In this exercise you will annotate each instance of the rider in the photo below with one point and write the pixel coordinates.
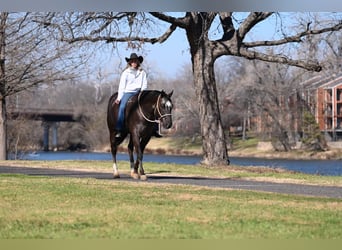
(133, 80)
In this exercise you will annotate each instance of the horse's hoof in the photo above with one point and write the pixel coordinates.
(135, 176)
(143, 177)
(116, 175)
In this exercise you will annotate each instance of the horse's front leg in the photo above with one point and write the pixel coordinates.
(134, 169)
(138, 163)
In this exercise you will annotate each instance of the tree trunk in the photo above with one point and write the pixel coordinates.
(213, 136)
(3, 132)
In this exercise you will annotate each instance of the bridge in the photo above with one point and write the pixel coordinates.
(50, 119)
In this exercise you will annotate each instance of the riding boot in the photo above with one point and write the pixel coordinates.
(156, 134)
(156, 131)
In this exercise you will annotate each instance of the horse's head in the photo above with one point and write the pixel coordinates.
(165, 108)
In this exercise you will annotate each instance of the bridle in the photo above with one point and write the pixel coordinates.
(156, 109)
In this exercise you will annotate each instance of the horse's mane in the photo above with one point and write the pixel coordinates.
(139, 99)
(149, 93)
(143, 97)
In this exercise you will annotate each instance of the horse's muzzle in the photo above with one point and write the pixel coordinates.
(167, 122)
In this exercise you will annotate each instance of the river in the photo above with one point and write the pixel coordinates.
(319, 167)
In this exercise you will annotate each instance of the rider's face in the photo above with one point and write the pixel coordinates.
(134, 63)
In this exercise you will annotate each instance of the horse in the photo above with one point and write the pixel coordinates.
(142, 112)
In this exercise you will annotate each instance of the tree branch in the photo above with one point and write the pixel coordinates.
(110, 39)
(107, 39)
(251, 55)
(252, 19)
(180, 22)
(108, 19)
(227, 25)
(166, 35)
(296, 38)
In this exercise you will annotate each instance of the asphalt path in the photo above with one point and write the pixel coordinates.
(229, 183)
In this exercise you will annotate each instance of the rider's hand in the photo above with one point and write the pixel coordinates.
(117, 101)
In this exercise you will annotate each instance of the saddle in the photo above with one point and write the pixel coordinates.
(132, 102)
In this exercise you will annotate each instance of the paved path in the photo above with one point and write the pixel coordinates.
(285, 188)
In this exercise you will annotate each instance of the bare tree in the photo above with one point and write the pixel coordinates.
(273, 96)
(139, 28)
(29, 57)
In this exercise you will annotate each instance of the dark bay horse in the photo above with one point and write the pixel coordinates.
(142, 113)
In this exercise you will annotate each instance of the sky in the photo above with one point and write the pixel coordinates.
(167, 58)
(170, 56)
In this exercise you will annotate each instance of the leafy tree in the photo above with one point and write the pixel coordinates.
(312, 136)
(233, 29)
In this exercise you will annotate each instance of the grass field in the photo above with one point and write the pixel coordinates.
(73, 208)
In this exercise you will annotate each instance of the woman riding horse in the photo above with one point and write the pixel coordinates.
(143, 112)
(133, 80)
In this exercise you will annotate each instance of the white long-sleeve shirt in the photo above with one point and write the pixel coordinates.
(132, 80)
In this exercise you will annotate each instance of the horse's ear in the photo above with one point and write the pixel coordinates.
(170, 94)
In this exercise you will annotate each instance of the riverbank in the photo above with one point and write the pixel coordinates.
(248, 148)
(330, 154)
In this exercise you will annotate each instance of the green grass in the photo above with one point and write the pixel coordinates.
(238, 143)
(72, 208)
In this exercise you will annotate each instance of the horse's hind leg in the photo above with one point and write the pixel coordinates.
(134, 169)
(113, 145)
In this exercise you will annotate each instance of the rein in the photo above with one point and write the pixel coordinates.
(161, 116)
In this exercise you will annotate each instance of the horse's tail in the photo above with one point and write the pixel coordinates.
(110, 112)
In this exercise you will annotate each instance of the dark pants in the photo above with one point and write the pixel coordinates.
(121, 115)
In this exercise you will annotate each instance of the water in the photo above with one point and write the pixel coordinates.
(321, 167)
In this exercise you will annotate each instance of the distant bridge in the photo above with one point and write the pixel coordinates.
(50, 119)
(47, 115)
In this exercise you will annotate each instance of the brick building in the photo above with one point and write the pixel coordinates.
(323, 95)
